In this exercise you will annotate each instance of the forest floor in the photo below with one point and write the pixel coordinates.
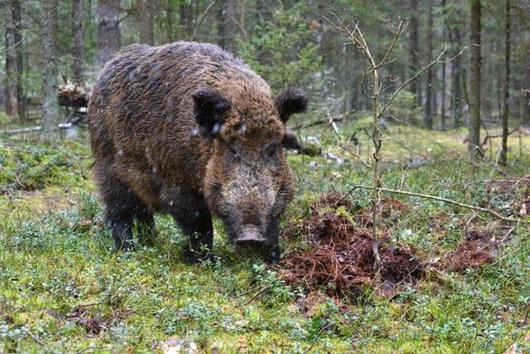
(460, 283)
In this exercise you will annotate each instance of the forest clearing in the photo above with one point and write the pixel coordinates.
(389, 214)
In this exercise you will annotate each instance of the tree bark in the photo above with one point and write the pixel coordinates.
(347, 81)
(413, 48)
(456, 72)
(109, 35)
(444, 66)
(475, 82)
(227, 25)
(19, 54)
(434, 94)
(170, 26)
(526, 94)
(15, 102)
(78, 52)
(186, 19)
(506, 108)
(145, 21)
(11, 101)
(50, 107)
(427, 122)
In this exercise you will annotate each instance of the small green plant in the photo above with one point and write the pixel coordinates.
(29, 167)
(276, 292)
(404, 108)
(4, 118)
(89, 207)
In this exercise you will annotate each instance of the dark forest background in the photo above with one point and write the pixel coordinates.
(47, 43)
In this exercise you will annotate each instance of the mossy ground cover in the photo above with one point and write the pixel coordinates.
(62, 289)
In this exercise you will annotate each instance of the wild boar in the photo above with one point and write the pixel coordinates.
(190, 130)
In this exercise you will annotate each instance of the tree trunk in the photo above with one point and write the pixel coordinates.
(526, 94)
(474, 119)
(413, 48)
(456, 72)
(78, 53)
(263, 16)
(347, 81)
(444, 67)
(227, 25)
(19, 54)
(145, 21)
(109, 36)
(11, 100)
(186, 19)
(506, 108)
(427, 122)
(170, 27)
(434, 94)
(50, 107)
(14, 62)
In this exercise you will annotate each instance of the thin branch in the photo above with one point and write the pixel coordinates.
(401, 27)
(339, 118)
(202, 17)
(261, 291)
(35, 338)
(489, 137)
(445, 200)
(20, 130)
(33, 129)
(403, 85)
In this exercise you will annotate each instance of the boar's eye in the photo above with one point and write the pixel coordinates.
(233, 151)
(272, 151)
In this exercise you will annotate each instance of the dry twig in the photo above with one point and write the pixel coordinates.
(445, 200)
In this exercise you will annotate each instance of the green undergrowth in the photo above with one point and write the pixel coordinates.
(62, 289)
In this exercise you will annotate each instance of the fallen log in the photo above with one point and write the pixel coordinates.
(33, 129)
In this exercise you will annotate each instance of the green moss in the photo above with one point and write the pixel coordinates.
(32, 167)
(56, 255)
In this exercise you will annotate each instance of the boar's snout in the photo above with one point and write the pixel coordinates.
(251, 236)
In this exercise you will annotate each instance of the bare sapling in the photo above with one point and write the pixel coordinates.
(357, 38)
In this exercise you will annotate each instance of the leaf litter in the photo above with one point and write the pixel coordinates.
(336, 254)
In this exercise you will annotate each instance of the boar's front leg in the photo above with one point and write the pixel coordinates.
(273, 229)
(193, 216)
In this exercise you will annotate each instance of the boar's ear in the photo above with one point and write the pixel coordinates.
(210, 110)
(291, 100)
(290, 141)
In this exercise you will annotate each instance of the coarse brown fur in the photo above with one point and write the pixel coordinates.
(188, 129)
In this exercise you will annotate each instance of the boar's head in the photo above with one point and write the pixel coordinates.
(248, 183)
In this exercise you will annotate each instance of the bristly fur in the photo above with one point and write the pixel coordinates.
(188, 129)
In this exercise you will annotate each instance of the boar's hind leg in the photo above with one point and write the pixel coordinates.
(122, 206)
(194, 217)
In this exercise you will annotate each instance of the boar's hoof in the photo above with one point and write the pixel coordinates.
(124, 245)
(274, 256)
(193, 257)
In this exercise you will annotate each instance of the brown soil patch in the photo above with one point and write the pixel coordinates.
(478, 249)
(339, 255)
(94, 324)
(310, 303)
(512, 192)
(336, 254)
